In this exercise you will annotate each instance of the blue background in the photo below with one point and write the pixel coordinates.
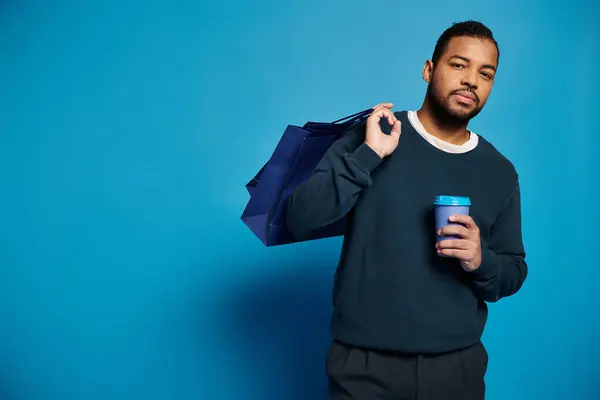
(130, 128)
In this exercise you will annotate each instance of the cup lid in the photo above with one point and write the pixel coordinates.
(445, 200)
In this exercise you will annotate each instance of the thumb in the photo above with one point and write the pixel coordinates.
(396, 130)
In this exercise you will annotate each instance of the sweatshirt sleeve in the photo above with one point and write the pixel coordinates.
(334, 185)
(503, 268)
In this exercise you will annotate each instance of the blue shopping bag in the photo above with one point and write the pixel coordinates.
(296, 155)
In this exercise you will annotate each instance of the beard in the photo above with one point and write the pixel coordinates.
(445, 111)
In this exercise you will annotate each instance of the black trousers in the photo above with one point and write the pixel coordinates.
(363, 374)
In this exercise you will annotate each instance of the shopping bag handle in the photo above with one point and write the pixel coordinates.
(358, 116)
(347, 123)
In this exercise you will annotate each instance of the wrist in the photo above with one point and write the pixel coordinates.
(488, 265)
(375, 149)
(366, 158)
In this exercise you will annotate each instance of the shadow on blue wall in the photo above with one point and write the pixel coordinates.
(282, 325)
(8, 389)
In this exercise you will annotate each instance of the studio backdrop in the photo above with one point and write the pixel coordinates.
(128, 133)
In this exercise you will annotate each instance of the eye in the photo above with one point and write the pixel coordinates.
(456, 65)
(486, 75)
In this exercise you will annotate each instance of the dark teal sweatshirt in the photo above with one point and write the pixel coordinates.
(391, 289)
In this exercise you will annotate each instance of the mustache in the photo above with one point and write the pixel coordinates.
(467, 90)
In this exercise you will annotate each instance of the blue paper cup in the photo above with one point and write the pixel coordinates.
(445, 206)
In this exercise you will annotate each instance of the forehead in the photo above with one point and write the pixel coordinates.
(478, 51)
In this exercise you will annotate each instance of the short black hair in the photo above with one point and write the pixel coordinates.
(469, 28)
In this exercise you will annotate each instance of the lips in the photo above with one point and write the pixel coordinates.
(466, 97)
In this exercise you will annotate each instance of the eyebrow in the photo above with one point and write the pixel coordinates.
(467, 60)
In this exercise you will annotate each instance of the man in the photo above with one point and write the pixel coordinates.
(407, 322)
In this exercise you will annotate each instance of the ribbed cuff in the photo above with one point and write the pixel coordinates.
(366, 158)
(489, 268)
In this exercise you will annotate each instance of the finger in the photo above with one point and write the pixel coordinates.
(383, 112)
(382, 108)
(458, 253)
(455, 230)
(386, 105)
(460, 244)
(466, 220)
(391, 118)
(396, 130)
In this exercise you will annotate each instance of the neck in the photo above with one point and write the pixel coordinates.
(443, 127)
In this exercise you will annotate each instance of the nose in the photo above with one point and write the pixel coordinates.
(470, 79)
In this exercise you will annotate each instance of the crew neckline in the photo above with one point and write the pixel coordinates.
(440, 144)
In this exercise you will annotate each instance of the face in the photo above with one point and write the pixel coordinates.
(461, 81)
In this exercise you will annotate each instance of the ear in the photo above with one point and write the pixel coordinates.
(427, 71)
